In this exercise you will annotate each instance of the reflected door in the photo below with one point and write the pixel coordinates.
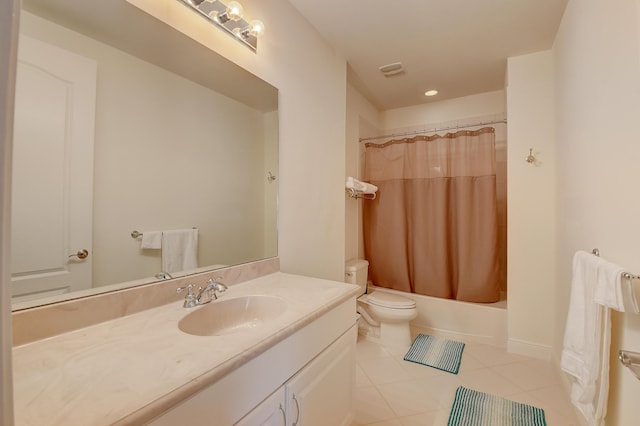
(52, 171)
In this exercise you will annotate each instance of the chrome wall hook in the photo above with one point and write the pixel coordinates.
(531, 159)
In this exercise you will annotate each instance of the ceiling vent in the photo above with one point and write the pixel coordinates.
(390, 70)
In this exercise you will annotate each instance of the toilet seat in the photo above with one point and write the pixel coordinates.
(387, 300)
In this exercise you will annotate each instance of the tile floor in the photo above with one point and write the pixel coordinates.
(394, 392)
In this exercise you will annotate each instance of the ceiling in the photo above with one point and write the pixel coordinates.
(459, 47)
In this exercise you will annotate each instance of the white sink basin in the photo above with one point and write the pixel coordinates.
(228, 316)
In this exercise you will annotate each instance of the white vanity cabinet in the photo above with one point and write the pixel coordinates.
(320, 394)
(306, 379)
(270, 412)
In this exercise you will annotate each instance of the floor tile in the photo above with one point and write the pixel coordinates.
(394, 392)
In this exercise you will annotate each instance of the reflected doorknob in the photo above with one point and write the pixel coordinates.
(81, 254)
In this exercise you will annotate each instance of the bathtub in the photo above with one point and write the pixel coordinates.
(476, 322)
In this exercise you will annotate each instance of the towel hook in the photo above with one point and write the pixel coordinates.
(530, 158)
(595, 252)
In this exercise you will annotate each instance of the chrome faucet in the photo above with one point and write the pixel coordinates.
(208, 293)
(190, 300)
(163, 276)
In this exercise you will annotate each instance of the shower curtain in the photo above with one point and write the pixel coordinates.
(433, 227)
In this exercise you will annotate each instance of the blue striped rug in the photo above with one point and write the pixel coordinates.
(436, 352)
(473, 408)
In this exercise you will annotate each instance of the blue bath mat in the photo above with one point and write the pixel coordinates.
(436, 352)
(473, 408)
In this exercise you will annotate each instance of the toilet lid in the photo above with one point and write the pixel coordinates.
(388, 300)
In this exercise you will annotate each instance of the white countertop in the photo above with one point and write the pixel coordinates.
(132, 368)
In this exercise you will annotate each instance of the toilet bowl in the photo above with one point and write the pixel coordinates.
(385, 317)
(388, 317)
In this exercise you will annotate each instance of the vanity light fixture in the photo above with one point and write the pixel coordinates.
(228, 17)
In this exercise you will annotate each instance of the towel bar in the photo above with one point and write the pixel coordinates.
(353, 193)
(135, 234)
(629, 277)
(631, 360)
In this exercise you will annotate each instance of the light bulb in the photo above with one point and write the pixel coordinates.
(256, 28)
(234, 10)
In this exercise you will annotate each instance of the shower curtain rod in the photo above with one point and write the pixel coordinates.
(435, 130)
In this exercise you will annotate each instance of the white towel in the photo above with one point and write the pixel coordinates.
(609, 285)
(363, 187)
(179, 250)
(151, 240)
(587, 339)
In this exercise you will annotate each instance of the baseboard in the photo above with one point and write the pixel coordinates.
(465, 337)
(533, 350)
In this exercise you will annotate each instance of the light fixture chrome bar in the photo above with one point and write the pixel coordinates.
(216, 13)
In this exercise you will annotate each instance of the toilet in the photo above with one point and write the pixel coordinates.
(384, 317)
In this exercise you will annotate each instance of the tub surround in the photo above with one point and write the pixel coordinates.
(130, 369)
(58, 317)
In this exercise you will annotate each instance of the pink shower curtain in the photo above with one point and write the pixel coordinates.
(433, 228)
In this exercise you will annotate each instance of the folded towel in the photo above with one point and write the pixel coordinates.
(608, 290)
(179, 250)
(151, 240)
(364, 187)
(587, 339)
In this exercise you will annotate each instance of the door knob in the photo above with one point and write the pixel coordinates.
(81, 254)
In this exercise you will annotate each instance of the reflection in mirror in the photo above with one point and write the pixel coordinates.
(124, 124)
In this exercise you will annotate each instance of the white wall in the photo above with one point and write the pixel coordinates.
(531, 205)
(158, 165)
(311, 78)
(363, 120)
(597, 80)
(432, 113)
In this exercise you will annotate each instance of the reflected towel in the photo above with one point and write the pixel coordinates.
(151, 240)
(179, 250)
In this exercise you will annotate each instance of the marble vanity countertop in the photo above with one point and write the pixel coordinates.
(128, 370)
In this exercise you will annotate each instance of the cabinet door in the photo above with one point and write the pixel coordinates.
(321, 393)
(270, 412)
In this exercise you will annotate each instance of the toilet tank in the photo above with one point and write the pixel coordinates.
(355, 272)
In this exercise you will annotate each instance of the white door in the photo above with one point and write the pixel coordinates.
(52, 171)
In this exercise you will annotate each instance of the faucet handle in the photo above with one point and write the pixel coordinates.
(190, 300)
(217, 285)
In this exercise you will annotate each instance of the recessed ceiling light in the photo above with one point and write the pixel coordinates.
(431, 92)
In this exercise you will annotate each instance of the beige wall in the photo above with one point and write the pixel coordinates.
(531, 205)
(597, 80)
(489, 104)
(362, 120)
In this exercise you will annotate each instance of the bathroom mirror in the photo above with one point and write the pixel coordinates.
(150, 131)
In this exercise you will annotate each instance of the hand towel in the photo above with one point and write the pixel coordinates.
(364, 187)
(608, 290)
(179, 250)
(151, 240)
(585, 354)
